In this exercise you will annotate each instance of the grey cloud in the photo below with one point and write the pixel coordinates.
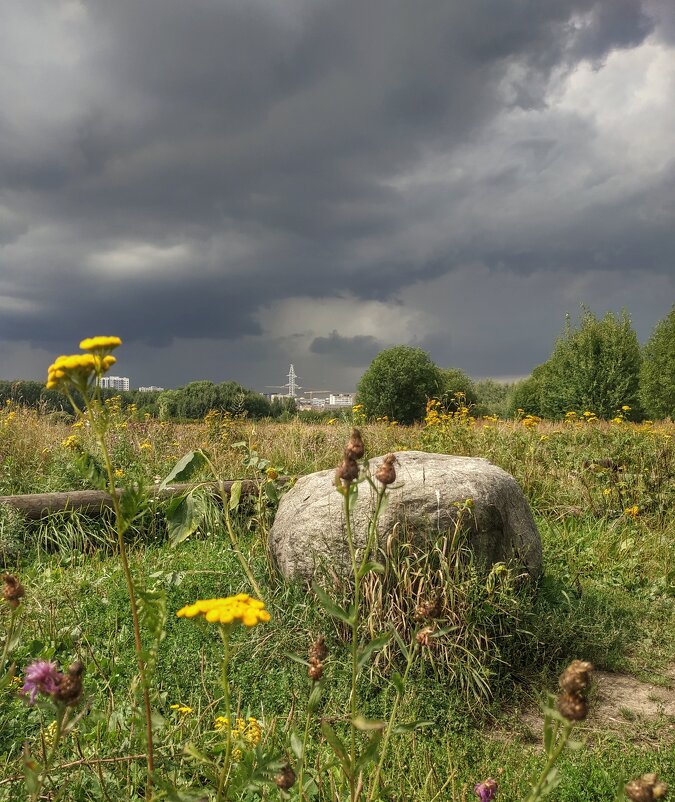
(356, 351)
(266, 142)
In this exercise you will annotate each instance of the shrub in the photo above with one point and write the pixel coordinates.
(594, 366)
(398, 383)
(657, 375)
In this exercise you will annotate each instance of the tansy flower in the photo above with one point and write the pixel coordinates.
(228, 610)
(632, 512)
(184, 709)
(100, 343)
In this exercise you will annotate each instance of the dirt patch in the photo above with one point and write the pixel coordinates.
(621, 702)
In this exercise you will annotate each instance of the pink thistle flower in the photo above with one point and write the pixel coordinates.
(40, 677)
(487, 790)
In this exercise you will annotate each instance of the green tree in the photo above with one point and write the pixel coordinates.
(492, 397)
(526, 395)
(657, 375)
(454, 380)
(398, 384)
(594, 365)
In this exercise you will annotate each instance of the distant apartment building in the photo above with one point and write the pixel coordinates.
(341, 399)
(150, 389)
(115, 382)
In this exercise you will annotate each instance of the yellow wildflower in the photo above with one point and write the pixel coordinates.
(332, 421)
(183, 709)
(100, 343)
(228, 610)
(119, 473)
(632, 512)
(625, 408)
(71, 441)
(50, 732)
(145, 445)
(272, 474)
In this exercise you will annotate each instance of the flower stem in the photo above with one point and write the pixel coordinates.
(9, 636)
(553, 756)
(100, 430)
(412, 652)
(224, 774)
(61, 717)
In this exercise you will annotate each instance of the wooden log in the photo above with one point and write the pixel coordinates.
(93, 502)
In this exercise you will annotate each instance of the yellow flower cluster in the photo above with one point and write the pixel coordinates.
(632, 512)
(182, 709)
(228, 610)
(437, 415)
(77, 369)
(100, 343)
(249, 731)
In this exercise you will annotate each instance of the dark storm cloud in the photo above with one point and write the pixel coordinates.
(359, 350)
(169, 170)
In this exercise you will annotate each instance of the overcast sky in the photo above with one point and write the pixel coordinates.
(233, 185)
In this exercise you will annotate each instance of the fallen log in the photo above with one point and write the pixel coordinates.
(36, 505)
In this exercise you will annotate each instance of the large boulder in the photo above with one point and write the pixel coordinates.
(308, 534)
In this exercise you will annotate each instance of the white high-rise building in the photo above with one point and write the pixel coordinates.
(115, 382)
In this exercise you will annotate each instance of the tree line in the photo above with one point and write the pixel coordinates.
(596, 365)
(191, 402)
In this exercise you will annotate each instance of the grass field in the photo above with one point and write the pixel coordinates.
(602, 495)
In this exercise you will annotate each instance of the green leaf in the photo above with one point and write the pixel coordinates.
(398, 683)
(132, 503)
(186, 518)
(294, 657)
(186, 467)
(235, 495)
(271, 492)
(314, 698)
(331, 607)
(369, 754)
(191, 749)
(411, 726)
(401, 645)
(367, 651)
(352, 496)
(368, 725)
(339, 749)
(296, 745)
(373, 566)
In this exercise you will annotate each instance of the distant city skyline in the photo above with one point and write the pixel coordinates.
(234, 186)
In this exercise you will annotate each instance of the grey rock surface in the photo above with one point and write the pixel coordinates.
(308, 534)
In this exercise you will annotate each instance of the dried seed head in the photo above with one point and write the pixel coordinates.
(12, 590)
(69, 689)
(347, 472)
(431, 608)
(318, 650)
(285, 778)
(646, 789)
(386, 473)
(315, 670)
(423, 637)
(355, 448)
(572, 706)
(576, 678)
